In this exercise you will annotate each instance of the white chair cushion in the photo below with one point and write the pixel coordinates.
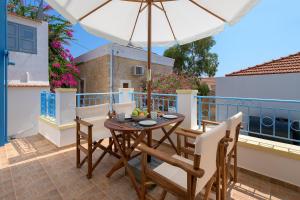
(173, 173)
(206, 145)
(126, 108)
(232, 123)
(92, 111)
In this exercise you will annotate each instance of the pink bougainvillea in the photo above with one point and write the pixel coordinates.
(69, 33)
(170, 83)
(56, 65)
(56, 44)
(63, 72)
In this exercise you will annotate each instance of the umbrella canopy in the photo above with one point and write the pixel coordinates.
(173, 21)
(153, 22)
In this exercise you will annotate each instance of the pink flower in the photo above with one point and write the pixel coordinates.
(56, 65)
(71, 58)
(69, 33)
(47, 7)
(69, 65)
(76, 70)
(53, 75)
(56, 44)
(56, 83)
(63, 55)
(68, 80)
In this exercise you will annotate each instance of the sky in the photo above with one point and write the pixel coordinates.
(269, 31)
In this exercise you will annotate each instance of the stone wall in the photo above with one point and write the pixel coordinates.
(95, 73)
(123, 70)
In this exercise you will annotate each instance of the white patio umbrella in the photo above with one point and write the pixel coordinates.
(152, 22)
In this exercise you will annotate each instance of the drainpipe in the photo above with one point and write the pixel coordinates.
(111, 87)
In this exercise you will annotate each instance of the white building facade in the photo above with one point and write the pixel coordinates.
(28, 76)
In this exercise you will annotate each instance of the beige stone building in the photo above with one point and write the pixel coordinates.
(126, 64)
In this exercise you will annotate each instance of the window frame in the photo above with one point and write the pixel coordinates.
(19, 40)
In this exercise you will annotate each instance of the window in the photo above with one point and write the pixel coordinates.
(125, 85)
(22, 38)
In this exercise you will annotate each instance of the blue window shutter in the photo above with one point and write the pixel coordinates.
(12, 36)
(27, 39)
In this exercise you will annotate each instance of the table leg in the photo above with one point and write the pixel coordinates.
(149, 144)
(167, 136)
(125, 156)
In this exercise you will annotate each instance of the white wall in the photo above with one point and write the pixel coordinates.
(35, 64)
(23, 110)
(269, 164)
(275, 86)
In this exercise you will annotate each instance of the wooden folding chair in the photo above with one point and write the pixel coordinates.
(126, 108)
(90, 130)
(234, 124)
(233, 127)
(186, 178)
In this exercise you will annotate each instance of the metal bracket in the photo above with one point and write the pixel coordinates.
(6, 54)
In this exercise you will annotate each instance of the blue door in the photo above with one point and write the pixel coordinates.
(3, 73)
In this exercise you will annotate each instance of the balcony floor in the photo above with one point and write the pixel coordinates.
(33, 168)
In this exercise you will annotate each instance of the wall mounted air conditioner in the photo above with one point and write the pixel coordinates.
(138, 70)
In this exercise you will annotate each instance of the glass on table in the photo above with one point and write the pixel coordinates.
(153, 115)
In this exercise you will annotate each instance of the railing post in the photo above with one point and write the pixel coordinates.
(43, 105)
(199, 111)
(65, 105)
(187, 105)
(125, 95)
(78, 100)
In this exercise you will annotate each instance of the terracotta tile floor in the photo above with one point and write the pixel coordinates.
(33, 168)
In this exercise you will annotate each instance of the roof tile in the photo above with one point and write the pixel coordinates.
(288, 64)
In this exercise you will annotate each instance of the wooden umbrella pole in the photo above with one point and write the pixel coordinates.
(149, 77)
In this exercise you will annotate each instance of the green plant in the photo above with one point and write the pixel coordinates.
(195, 58)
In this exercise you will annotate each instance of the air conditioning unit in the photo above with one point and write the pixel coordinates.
(138, 70)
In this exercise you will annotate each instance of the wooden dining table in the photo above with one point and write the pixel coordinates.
(126, 131)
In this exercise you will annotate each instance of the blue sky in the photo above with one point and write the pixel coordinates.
(271, 30)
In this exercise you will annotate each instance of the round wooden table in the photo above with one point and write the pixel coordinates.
(131, 130)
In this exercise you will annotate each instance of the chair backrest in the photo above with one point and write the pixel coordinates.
(126, 108)
(92, 111)
(207, 145)
(232, 124)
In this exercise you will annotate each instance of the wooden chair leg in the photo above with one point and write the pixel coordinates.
(77, 144)
(110, 141)
(179, 144)
(208, 188)
(235, 165)
(143, 176)
(186, 146)
(90, 153)
(163, 195)
(217, 184)
(105, 151)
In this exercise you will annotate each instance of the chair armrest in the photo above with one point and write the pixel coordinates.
(186, 134)
(85, 123)
(210, 122)
(192, 131)
(170, 160)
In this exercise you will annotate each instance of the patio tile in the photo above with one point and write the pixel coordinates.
(41, 171)
(7, 190)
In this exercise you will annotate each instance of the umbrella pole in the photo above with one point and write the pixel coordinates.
(149, 77)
